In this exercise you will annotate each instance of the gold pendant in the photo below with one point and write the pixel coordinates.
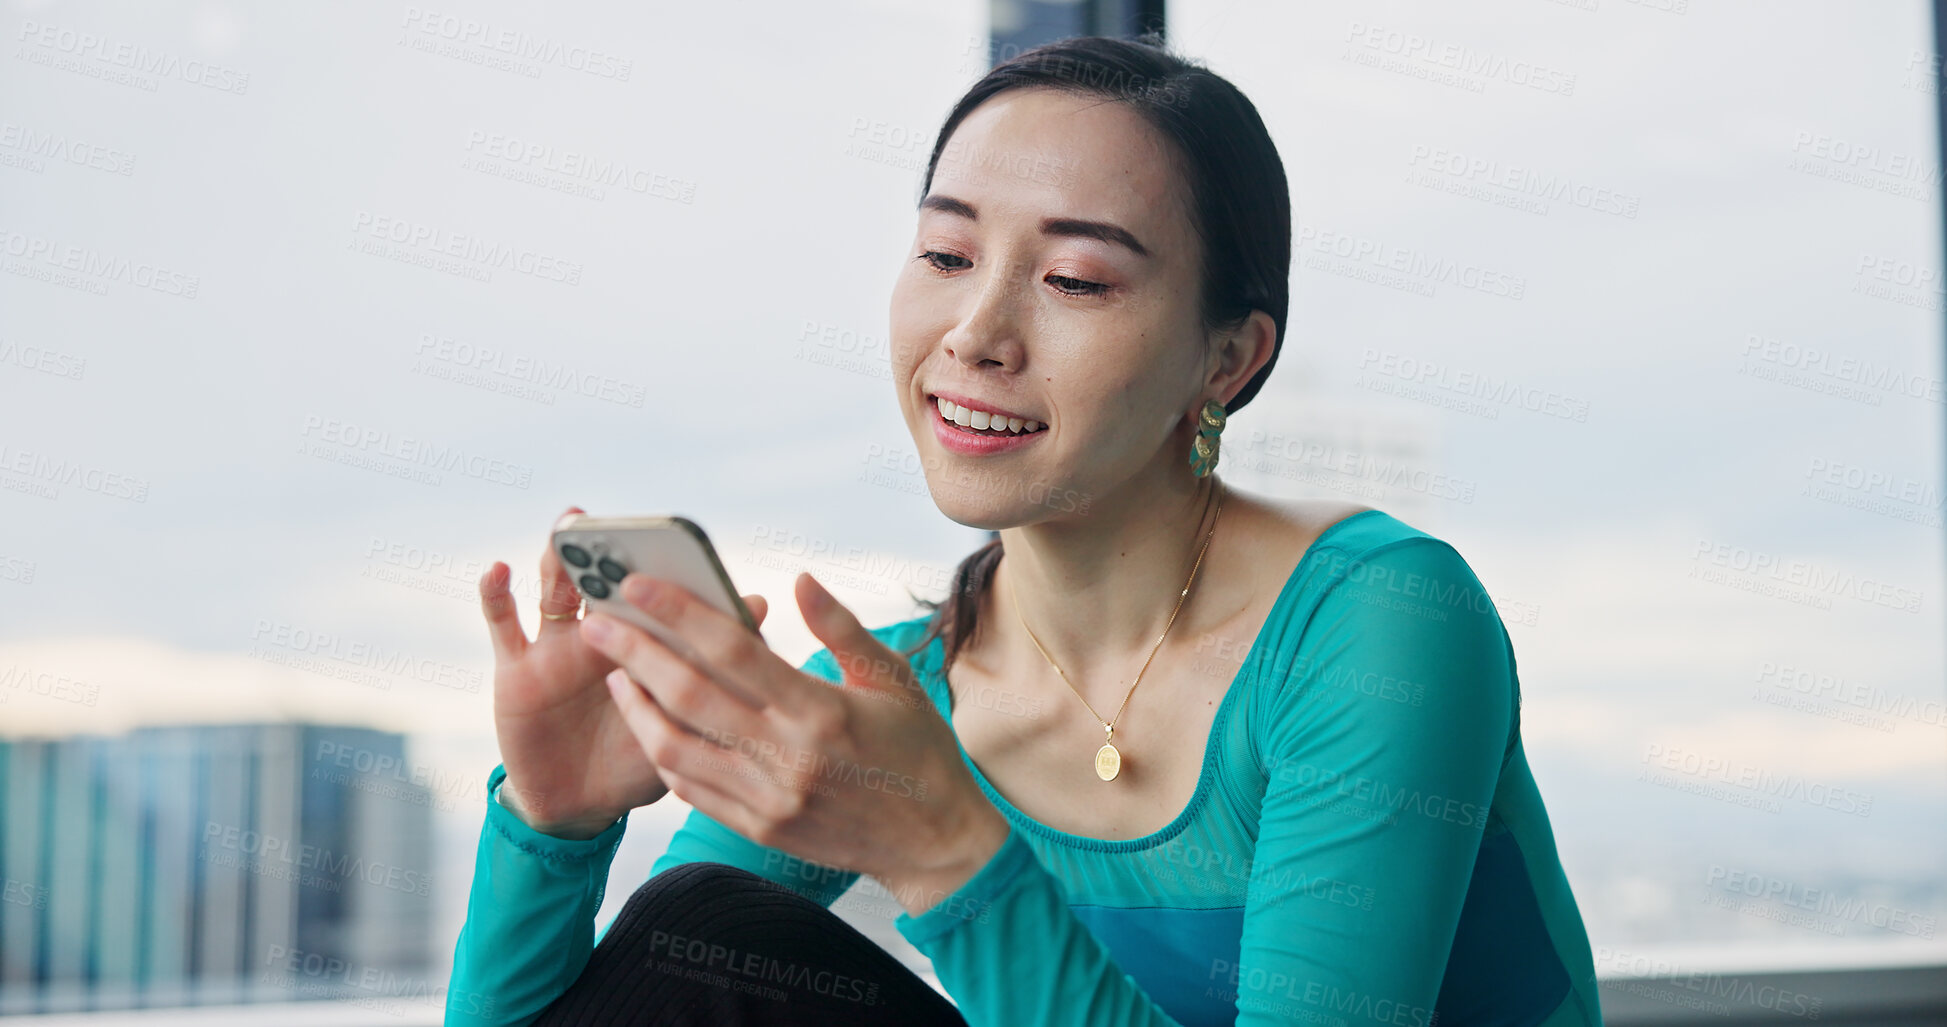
(1108, 762)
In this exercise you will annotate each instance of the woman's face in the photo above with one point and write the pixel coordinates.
(1054, 276)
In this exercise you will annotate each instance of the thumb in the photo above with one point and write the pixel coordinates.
(863, 659)
(758, 607)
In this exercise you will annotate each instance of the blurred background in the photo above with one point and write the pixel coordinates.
(310, 313)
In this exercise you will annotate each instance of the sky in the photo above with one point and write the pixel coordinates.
(1635, 303)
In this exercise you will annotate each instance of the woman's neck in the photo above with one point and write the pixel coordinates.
(1098, 588)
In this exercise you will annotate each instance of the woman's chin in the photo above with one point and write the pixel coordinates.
(975, 508)
(994, 505)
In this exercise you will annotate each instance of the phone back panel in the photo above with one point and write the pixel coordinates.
(671, 548)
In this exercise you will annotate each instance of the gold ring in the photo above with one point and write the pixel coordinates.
(562, 616)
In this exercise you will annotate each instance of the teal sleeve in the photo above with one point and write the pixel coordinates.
(1009, 951)
(531, 910)
(1382, 744)
(705, 840)
(530, 917)
(1373, 813)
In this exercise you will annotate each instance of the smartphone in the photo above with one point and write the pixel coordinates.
(598, 552)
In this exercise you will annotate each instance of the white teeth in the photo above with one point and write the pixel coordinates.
(982, 420)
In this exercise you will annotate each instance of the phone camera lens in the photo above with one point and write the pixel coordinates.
(575, 554)
(611, 570)
(594, 587)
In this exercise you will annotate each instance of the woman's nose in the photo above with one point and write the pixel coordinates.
(989, 330)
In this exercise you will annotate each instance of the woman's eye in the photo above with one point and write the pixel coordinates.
(1076, 286)
(1068, 285)
(930, 254)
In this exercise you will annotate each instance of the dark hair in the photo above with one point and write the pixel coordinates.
(1240, 203)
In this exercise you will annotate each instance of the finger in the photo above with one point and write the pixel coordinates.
(716, 804)
(720, 644)
(862, 658)
(503, 620)
(559, 600)
(758, 607)
(676, 753)
(686, 695)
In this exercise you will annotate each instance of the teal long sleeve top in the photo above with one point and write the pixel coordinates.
(1365, 846)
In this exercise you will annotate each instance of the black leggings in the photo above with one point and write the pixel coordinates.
(709, 944)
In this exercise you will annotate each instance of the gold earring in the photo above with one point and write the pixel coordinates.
(1203, 453)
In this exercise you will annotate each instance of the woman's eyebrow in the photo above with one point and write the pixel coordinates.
(1076, 227)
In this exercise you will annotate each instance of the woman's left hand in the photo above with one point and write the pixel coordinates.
(865, 777)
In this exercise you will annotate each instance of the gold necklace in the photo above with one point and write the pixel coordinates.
(1108, 759)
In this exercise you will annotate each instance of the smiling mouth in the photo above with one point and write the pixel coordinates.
(981, 422)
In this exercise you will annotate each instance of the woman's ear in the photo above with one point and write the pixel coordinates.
(1240, 354)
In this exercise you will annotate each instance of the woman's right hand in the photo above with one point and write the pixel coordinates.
(573, 765)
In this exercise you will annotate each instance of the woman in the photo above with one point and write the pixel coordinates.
(1169, 753)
